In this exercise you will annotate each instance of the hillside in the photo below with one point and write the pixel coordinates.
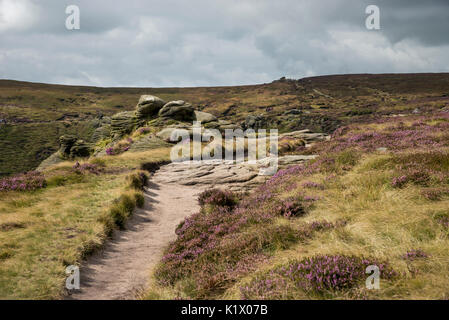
(33, 116)
(367, 184)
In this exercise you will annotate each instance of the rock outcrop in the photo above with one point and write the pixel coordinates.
(123, 123)
(80, 149)
(102, 133)
(178, 110)
(71, 147)
(66, 143)
(148, 106)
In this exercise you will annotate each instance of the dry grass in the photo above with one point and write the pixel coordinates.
(382, 222)
(44, 231)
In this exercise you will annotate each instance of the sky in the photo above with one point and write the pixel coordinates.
(179, 43)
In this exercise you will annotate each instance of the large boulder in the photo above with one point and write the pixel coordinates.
(205, 117)
(148, 106)
(71, 147)
(102, 133)
(66, 143)
(123, 123)
(178, 110)
(227, 125)
(166, 133)
(80, 149)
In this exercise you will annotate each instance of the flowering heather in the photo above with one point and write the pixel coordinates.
(217, 197)
(434, 194)
(323, 163)
(421, 168)
(291, 207)
(444, 221)
(86, 168)
(325, 225)
(110, 151)
(317, 274)
(144, 130)
(120, 147)
(396, 137)
(415, 254)
(399, 182)
(23, 182)
(313, 185)
(218, 234)
(273, 288)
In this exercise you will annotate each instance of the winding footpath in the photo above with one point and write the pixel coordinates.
(122, 268)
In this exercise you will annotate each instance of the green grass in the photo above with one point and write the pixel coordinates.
(24, 147)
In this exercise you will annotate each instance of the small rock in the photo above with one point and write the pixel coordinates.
(205, 117)
(292, 112)
(255, 122)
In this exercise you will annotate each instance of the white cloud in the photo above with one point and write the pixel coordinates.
(17, 15)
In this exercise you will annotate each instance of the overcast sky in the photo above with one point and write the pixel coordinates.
(214, 42)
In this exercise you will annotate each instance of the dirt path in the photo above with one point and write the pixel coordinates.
(121, 269)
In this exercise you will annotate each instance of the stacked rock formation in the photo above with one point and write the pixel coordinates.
(148, 106)
(71, 147)
(178, 110)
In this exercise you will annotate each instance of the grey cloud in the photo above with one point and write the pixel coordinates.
(187, 43)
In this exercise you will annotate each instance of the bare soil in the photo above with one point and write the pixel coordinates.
(122, 268)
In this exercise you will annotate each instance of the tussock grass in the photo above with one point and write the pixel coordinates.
(44, 231)
(364, 214)
(382, 222)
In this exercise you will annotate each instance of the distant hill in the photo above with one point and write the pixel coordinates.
(34, 115)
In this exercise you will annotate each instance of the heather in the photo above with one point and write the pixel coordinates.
(312, 229)
(23, 182)
(120, 147)
(226, 236)
(217, 197)
(86, 168)
(415, 254)
(424, 132)
(318, 275)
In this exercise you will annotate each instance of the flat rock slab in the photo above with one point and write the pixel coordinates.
(236, 177)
